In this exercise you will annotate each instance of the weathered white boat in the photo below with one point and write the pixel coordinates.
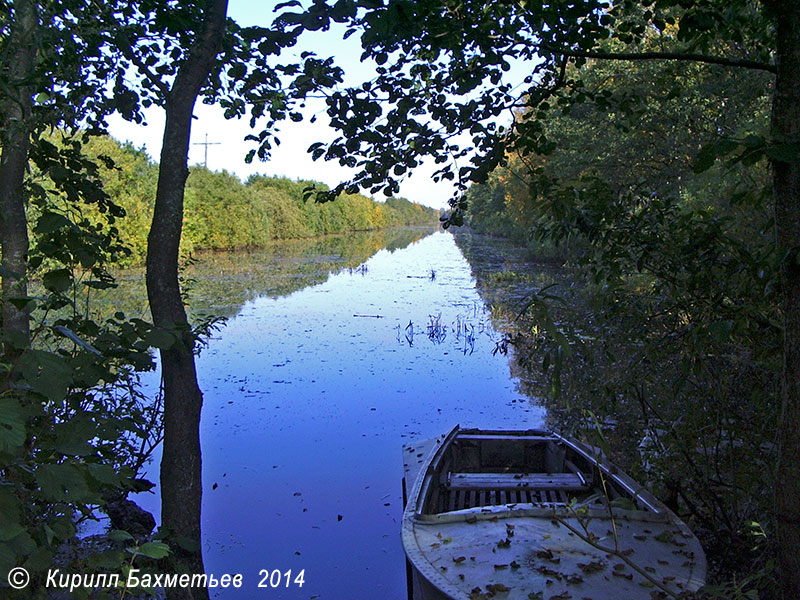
(532, 515)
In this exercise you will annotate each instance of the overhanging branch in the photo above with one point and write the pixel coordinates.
(682, 56)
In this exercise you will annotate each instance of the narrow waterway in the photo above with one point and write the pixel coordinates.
(309, 397)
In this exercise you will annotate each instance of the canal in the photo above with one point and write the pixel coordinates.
(328, 363)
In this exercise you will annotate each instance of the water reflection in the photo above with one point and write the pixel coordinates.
(309, 397)
(220, 283)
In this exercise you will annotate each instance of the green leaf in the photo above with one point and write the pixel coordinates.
(104, 474)
(108, 559)
(72, 438)
(159, 338)
(63, 528)
(155, 550)
(50, 222)
(118, 535)
(22, 302)
(9, 529)
(39, 560)
(665, 537)
(46, 373)
(62, 483)
(57, 281)
(8, 560)
(12, 425)
(237, 71)
(711, 152)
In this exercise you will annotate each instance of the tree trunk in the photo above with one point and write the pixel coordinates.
(15, 107)
(181, 465)
(786, 130)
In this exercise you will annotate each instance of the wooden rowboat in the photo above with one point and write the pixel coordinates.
(521, 515)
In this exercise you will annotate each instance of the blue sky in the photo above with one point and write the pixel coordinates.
(290, 158)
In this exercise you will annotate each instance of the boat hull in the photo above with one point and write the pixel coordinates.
(522, 549)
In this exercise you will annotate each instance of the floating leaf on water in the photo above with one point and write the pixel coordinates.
(514, 565)
(499, 567)
(506, 543)
(447, 540)
(458, 560)
(496, 588)
(536, 596)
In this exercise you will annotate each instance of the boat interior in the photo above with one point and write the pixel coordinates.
(483, 468)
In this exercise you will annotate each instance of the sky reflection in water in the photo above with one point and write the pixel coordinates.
(307, 407)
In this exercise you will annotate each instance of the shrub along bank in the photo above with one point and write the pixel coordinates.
(224, 213)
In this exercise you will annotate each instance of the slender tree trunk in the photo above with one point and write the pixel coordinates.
(786, 130)
(181, 465)
(15, 111)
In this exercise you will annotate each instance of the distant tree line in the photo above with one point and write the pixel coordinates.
(224, 213)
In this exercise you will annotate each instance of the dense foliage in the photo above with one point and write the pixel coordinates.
(74, 428)
(671, 305)
(222, 213)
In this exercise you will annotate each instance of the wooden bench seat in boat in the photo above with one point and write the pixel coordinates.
(568, 482)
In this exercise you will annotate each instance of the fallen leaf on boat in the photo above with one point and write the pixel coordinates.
(592, 567)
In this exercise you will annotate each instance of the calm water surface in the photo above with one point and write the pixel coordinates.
(308, 399)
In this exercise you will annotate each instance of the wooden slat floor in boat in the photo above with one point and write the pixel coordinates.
(511, 481)
(459, 499)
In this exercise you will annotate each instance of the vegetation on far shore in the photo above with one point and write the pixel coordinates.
(224, 213)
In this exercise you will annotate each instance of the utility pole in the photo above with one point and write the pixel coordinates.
(206, 144)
